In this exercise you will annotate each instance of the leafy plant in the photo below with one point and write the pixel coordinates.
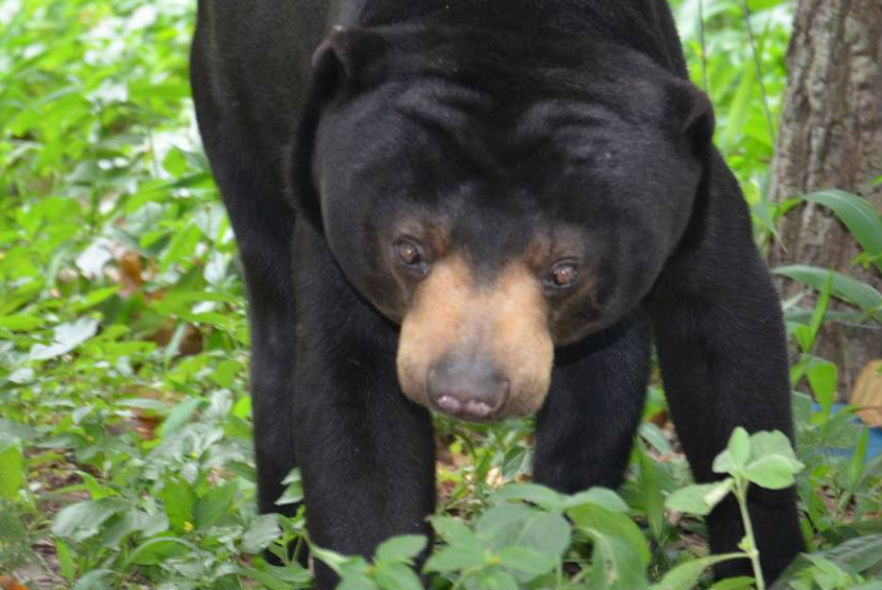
(125, 433)
(764, 459)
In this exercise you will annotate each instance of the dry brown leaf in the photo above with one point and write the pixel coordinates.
(867, 394)
(10, 583)
(190, 344)
(130, 272)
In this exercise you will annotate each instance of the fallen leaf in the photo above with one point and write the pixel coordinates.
(9, 583)
(867, 394)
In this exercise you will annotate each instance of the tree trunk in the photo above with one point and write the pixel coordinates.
(831, 137)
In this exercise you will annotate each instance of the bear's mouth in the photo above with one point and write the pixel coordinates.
(474, 350)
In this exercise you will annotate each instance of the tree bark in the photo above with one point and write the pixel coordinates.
(831, 137)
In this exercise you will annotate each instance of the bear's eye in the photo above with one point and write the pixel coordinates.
(410, 254)
(562, 275)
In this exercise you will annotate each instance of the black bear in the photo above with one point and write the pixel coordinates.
(482, 207)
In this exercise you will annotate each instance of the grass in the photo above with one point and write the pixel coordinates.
(125, 435)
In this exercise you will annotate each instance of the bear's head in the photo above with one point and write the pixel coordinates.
(496, 199)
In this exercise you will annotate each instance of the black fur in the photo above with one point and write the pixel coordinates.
(507, 120)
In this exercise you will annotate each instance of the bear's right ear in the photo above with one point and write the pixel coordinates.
(692, 114)
(347, 56)
(343, 64)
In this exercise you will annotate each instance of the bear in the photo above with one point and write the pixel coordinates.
(487, 209)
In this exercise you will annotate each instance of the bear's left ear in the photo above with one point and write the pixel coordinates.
(342, 65)
(691, 114)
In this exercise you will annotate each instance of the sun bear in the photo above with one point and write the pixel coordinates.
(487, 209)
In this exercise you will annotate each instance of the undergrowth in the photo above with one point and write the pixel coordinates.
(125, 434)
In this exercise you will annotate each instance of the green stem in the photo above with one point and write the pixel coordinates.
(842, 504)
(759, 70)
(298, 549)
(753, 552)
(703, 43)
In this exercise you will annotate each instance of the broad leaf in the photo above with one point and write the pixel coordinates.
(620, 549)
(403, 548)
(12, 473)
(773, 472)
(699, 499)
(396, 576)
(686, 574)
(264, 530)
(844, 287)
(858, 215)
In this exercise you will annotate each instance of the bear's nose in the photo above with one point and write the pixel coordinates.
(467, 389)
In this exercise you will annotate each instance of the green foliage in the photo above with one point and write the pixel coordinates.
(765, 459)
(859, 216)
(125, 434)
(738, 57)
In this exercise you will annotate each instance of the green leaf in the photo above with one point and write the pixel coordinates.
(699, 499)
(289, 577)
(823, 377)
(514, 462)
(179, 500)
(807, 335)
(739, 447)
(294, 491)
(844, 287)
(395, 576)
(519, 524)
(182, 246)
(100, 578)
(179, 416)
(12, 472)
(66, 565)
(12, 432)
(21, 322)
(774, 442)
(530, 492)
(723, 463)
(97, 296)
(601, 497)
(264, 530)
(739, 583)
(716, 493)
(335, 560)
(12, 531)
(620, 549)
(491, 579)
(357, 579)
(653, 435)
(82, 520)
(857, 465)
(216, 503)
(861, 554)
(453, 531)
(686, 574)
(526, 560)
(157, 550)
(451, 558)
(773, 472)
(649, 485)
(858, 215)
(403, 548)
(128, 522)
